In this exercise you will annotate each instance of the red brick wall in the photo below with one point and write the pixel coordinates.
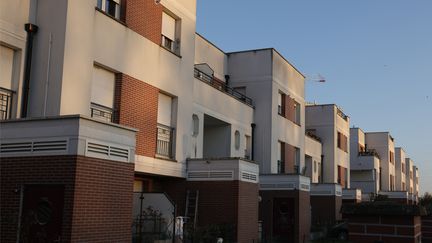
(145, 18)
(102, 209)
(302, 213)
(427, 229)
(137, 104)
(16, 172)
(97, 196)
(395, 229)
(248, 212)
(325, 209)
(221, 202)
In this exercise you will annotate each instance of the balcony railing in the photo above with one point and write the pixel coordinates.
(280, 167)
(221, 86)
(369, 152)
(164, 143)
(101, 112)
(5, 103)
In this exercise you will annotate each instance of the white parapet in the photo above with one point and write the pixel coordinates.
(67, 135)
(352, 194)
(222, 169)
(395, 194)
(326, 189)
(284, 182)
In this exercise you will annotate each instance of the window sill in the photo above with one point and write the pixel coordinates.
(176, 54)
(165, 158)
(111, 17)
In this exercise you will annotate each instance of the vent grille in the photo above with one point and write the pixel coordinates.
(210, 175)
(107, 151)
(246, 176)
(34, 146)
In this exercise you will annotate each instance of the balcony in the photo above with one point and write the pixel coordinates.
(164, 143)
(285, 182)
(221, 86)
(326, 189)
(352, 194)
(102, 113)
(5, 103)
(369, 152)
(222, 169)
(67, 135)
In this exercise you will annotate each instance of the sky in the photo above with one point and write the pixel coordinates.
(376, 57)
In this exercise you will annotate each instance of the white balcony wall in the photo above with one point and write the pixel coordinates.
(313, 152)
(399, 164)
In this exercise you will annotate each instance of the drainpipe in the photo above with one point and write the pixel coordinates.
(31, 30)
(322, 171)
(253, 141)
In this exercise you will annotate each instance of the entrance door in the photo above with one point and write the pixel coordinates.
(283, 220)
(42, 214)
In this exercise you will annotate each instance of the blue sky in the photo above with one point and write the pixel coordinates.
(375, 55)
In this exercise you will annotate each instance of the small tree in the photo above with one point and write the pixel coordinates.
(426, 201)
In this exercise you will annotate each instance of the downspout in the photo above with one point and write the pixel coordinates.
(253, 141)
(31, 30)
(322, 171)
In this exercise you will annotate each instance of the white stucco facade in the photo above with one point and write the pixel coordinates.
(383, 144)
(263, 74)
(326, 121)
(400, 169)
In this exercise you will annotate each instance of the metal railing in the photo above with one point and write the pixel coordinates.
(5, 103)
(101, 112)
(369, 152)
(280, 167)
(164, 143)
(221, 86)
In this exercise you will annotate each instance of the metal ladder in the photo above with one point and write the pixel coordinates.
(192, 207)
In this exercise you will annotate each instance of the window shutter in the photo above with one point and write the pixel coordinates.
(290, 156)
(168, 26)
(6, 65)
(102, 90)
(164, 109)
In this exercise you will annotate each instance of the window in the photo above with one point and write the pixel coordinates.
(342, 176)
(403, 168)
(297, 112)
(6, 70)
(281, 158)
(237, 140)
(297, 161)
(315, 166)
(170, 36)
(281, 104)
(342, 142)
(102, 94)
(165, 133)
(391, 157)
(110, 7)
(195, 125)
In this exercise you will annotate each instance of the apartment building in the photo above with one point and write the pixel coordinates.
(365, 164)
(329, 123)
(277, 89)
(111, 99)
(400, 168)
(409, 163)
(331, 126)
(416, 183)
(383, 144)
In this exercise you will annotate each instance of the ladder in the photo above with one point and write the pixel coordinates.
(192, 207)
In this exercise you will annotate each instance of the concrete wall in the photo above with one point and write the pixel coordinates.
(326, 123)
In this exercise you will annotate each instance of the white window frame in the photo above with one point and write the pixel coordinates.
(102, 5)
